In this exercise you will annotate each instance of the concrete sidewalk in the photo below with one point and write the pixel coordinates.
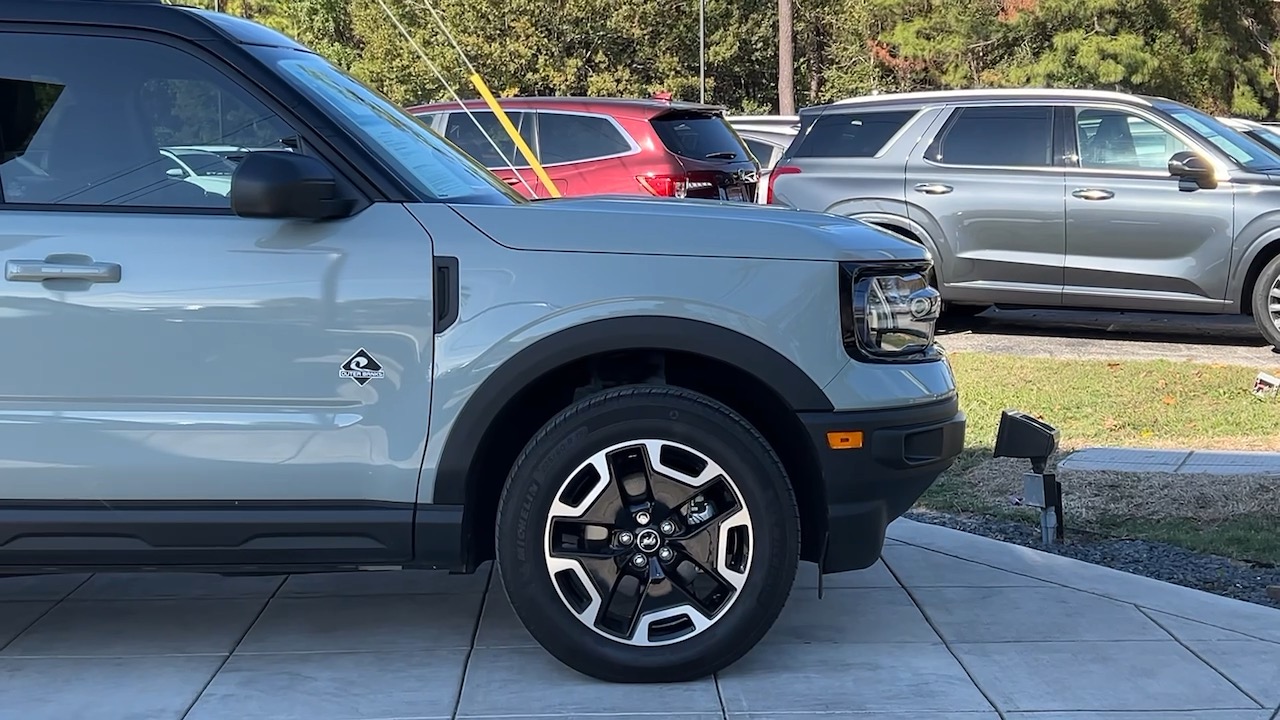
(949, 626)
(1210, 462)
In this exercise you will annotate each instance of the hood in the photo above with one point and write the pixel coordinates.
(695, 228)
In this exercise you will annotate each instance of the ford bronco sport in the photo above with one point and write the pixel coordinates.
(372, 354)
(1055, 198)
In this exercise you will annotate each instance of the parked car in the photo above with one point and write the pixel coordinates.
(1266, 133)
(373, 355)
(205, 169)
(592, 146)
(767, 136)
(1054, 198)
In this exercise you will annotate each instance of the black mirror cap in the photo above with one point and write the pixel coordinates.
(285, 184)
(1187, 165)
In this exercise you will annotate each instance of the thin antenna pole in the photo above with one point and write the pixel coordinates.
(440, 76)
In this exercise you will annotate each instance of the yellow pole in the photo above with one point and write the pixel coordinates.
(483, 89)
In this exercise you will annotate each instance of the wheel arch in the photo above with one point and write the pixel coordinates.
(525, 391)
(906, 228)
(1266, 252)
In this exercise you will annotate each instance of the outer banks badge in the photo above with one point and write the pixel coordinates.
(361, 368)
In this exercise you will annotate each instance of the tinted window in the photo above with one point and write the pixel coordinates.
(563, 137)
(432, 167)
(1115, 140)
(75, 130)
(852, 135)
(206, 163)
(761, 149)
(462, 130)
(699, 136)
(996, 136)
(1234, 143)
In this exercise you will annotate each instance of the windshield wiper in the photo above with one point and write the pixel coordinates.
(722, 155)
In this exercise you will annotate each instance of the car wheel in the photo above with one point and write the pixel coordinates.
(647, 534)
(1266, 302)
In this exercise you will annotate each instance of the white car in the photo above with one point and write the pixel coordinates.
(767, 136)
(208, 170)
(1266, 133)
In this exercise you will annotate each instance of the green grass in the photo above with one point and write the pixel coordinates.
(1148, 403)
(1154, 403)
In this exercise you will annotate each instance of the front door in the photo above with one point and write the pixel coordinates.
(988, 187)
(185, 386)
(1133, 236)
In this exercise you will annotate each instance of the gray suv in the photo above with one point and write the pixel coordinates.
(1054, 198)
(371, 354)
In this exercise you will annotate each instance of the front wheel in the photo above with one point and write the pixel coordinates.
(648, 534)
(1266, 302)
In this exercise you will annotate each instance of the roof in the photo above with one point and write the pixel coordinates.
(969, 95)
(649, 105)
(157, 15)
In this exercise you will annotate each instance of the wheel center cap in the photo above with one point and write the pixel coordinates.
(648, 540)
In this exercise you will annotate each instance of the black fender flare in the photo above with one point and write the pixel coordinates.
(654, 332)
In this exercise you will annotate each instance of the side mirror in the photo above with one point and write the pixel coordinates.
(284, 184)
(1191, 168)
(175, 173)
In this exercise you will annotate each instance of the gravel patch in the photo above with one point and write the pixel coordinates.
(1159, 561)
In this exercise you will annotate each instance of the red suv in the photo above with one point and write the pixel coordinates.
(591, 146)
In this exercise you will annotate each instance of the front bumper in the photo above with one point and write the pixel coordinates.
(869, 484)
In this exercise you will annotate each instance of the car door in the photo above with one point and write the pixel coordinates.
(988, 187)
(477, 134)
(187, 386)
(1135, 240)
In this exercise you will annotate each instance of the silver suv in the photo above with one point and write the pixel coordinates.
(1054, 198)
(371, 354)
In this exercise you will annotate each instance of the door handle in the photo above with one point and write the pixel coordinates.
(512, 181)
(933, 188)
(1093, 194)
(61, 267)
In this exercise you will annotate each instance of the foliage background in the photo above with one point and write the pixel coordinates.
(1220, 55)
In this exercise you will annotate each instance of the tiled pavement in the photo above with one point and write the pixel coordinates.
(1142, 460)
(948, 627)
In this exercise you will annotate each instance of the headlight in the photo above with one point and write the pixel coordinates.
(892, 312)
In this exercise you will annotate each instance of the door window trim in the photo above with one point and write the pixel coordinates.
(235, 76)
(951, 113)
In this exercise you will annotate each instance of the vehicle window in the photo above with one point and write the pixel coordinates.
(996, 137)
(1245, 152)
(77, 131)
(435, 169)
(852, 135)
(566, 137)
(1116, 140)
(461, 130)
(698, 136)
(762, 150)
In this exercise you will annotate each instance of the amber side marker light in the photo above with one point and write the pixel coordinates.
(848, 440)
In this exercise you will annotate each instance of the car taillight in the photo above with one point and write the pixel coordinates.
(773, 177)
(664, 185)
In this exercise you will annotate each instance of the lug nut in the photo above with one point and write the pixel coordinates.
(665, 554)
(639, 560)
(642, 518)
(667, 527)
(626, 538)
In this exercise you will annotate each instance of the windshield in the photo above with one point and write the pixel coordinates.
(434, 167)
(1247, 153)
(1265, 135)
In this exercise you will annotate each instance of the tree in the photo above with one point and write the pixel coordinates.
(786, 60)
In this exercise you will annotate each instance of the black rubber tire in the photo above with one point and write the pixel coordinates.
(1261, 289)
(629, 413)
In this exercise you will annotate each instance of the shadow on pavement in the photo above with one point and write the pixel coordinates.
(1221, 330)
